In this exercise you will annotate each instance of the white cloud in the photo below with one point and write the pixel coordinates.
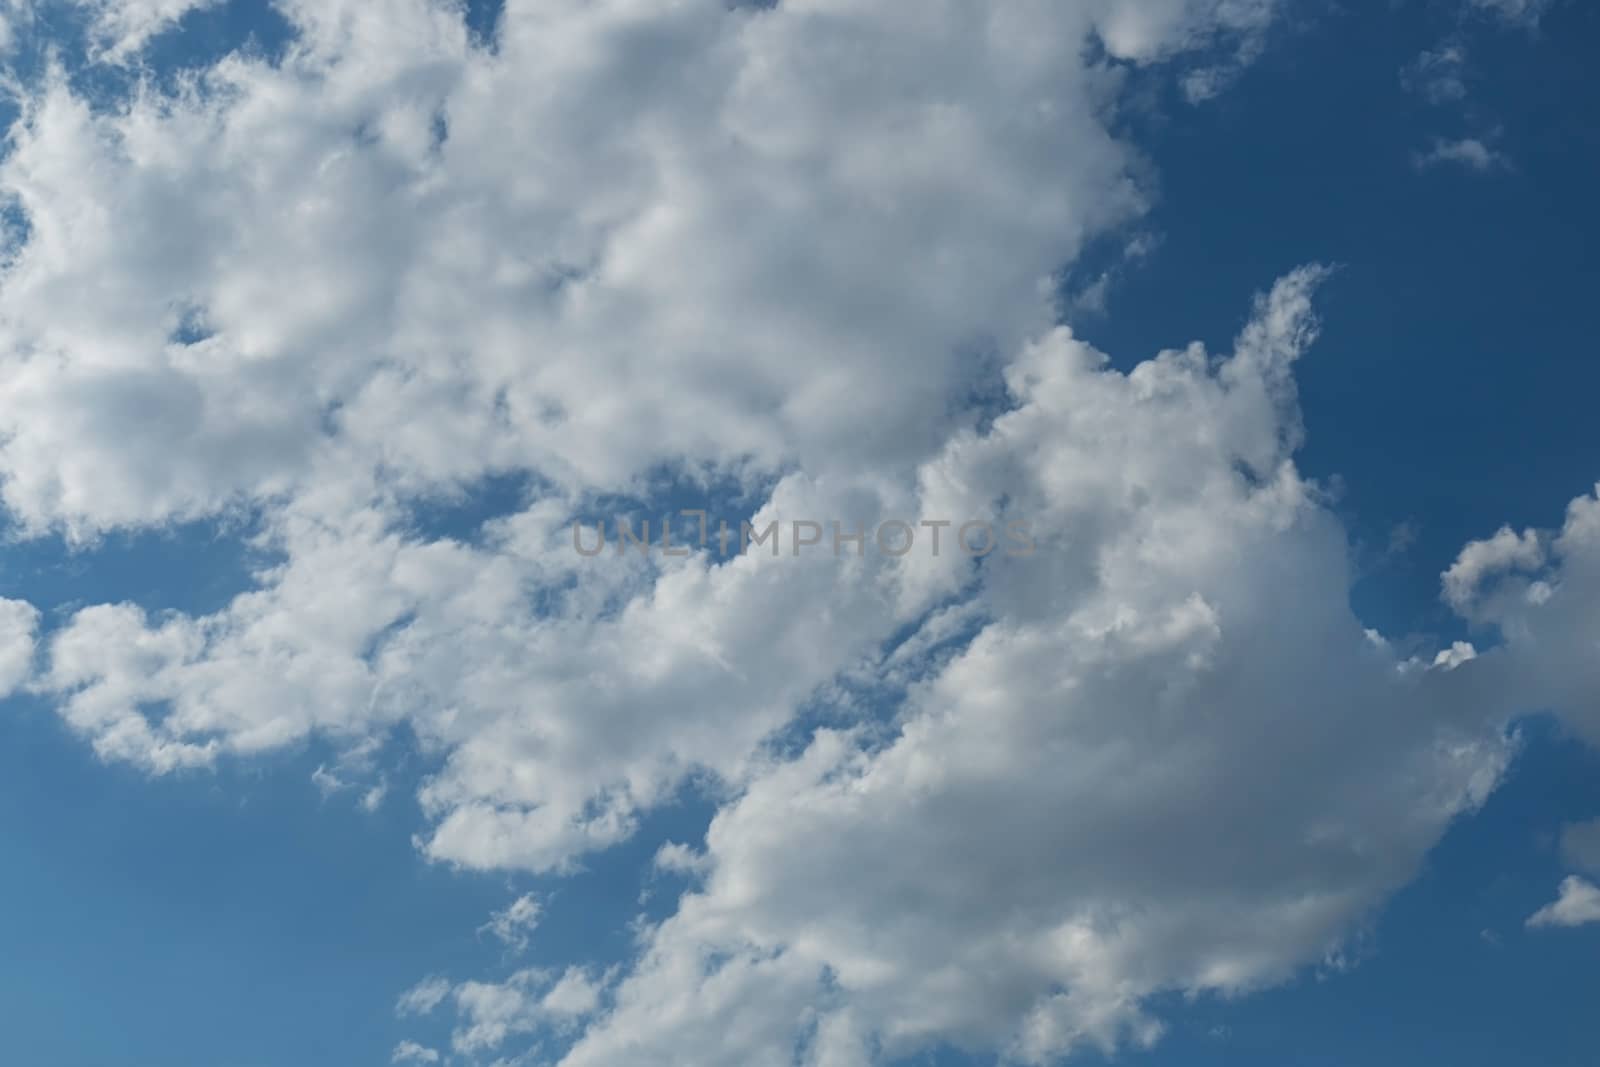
(1458, 653)
(411, 1052)
(12, 13)
(460, 304)
(513, 296)
(1173, 763)
(1578, 905)
(779, 249)
(373, 798)
(423, 997)
(1506, 551)
(1472, 153)
(1538, 591)
(490, 1013)
(428, 274)
(677, 858)
(516, 923)
(19, 622)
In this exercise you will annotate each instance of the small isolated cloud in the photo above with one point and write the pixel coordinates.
(1438, 75)
(1578, 905)
(514, 925)
(1470, 152)
(347, 773)
(1458, 653)
(677, 858)
(411, 1052)
(326, 781)
(423, 997)
(373, 798)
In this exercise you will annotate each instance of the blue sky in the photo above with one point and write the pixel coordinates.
(238, 827)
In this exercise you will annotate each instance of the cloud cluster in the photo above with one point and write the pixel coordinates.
(719, 238)
(740, 244)
(1440, 77)
(1175, 762)
(801, 256)
(528, 1000)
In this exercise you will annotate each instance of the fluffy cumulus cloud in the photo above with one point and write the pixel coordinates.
(733, 243)
(1098, 756)
(1578, 905)
(1578, 902)
(468, 278)
(1537, 591)
(798, 257)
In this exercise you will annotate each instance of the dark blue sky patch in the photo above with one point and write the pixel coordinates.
(459, 513)
(483, 20)
(196, 568)
(207, 34)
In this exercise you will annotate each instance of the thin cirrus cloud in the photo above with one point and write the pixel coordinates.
(1525, 13)
(756, 247)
